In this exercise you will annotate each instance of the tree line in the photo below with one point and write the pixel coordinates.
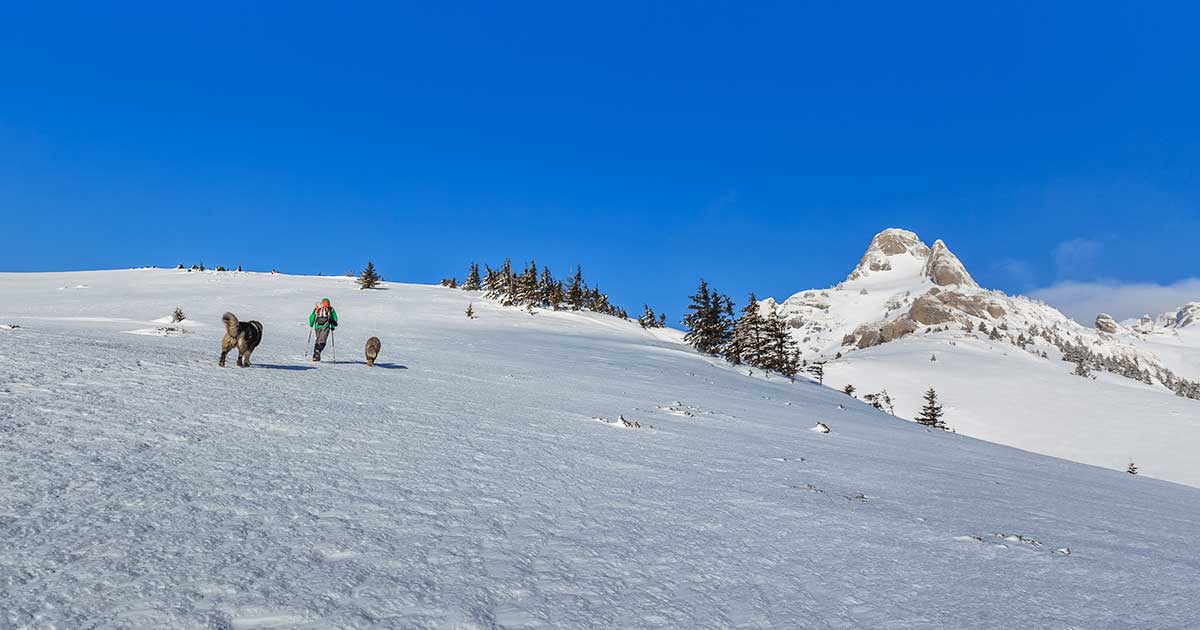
(749, 338)
(535, 287)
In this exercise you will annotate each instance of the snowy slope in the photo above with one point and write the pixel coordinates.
(906, 302)
(465, 483)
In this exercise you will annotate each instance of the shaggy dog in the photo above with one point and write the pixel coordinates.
(244, 336)
(373, 346)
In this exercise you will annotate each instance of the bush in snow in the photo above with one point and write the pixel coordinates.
(178, 315)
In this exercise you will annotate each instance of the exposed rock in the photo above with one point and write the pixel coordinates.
(1145, 325)
(874, 334)
(944, 268)
(938, 306)
(1106, 324)
(890, 242)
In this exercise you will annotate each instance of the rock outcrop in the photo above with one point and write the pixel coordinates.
(888, 243)
(944, 268)
(1106, 324)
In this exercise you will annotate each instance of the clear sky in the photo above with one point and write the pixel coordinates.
(757, 144)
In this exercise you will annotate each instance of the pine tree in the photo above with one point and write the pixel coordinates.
(470, 311)
(1133, 469)
(817, 369)
(526, 288)
(472, 281)
(780, 345)
(648, 318)
(557, 296)
(493, 283)
(931, 413)
(368, 279)
(662, 320)
(508, 287)
(792, 367)
(849, 390)
(704, 321)
(546, 289)
(749, 336)
(576, 290)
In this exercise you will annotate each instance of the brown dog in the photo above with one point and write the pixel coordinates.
(245, 336)
(373, 346)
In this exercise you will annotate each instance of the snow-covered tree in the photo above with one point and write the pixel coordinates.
(1133, 469)
(648, 318)
(849, 390)
(705, 323)
(576, 290)
(472, 282)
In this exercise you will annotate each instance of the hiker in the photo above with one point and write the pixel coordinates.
(324, 320)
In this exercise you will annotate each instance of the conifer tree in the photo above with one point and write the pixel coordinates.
(817, 369)
(780, 345)
(662, 320)
(493, 283)
(849, 390)
(470, 311)
(648, 318)
(558, 296)
(546, 289)
(526, 289)
(749, 336)
(472, 281)
(507, 283)
(703, 322)
(1133, 469)
(576, 290)
(368, 279)
(931, 413)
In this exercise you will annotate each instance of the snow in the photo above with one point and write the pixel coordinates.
(465, 483)
(1000, 393)
(995, 390)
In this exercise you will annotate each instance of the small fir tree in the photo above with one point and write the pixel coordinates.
(470, 311)
(648, 318)
(368, 279)
(817, 369)
(931, 413)
(472, 282)
(1133, 469)
(849, 390)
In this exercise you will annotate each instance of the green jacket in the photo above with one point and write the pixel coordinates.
(332, 324)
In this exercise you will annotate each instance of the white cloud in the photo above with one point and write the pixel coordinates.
(1082, 301)
(1077, 258)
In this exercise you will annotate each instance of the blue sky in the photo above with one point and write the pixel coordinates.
(759, 145)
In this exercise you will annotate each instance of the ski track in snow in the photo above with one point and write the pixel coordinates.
(144, 487)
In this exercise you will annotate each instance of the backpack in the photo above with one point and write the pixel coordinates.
(322, 315)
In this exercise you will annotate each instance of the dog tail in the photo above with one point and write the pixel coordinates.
(231, 322)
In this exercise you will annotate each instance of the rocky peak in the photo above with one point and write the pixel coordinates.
(1106, 324)
(944, 268)
(1189, 315)
(888, 243)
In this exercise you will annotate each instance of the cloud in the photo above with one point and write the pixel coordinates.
(1077, 258)
(1018, 272)
(1082, 301)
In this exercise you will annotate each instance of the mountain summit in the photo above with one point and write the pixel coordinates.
(897, 255)
(910, 316)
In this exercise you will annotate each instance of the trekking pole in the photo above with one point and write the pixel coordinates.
(333, 346)
(307, 344)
